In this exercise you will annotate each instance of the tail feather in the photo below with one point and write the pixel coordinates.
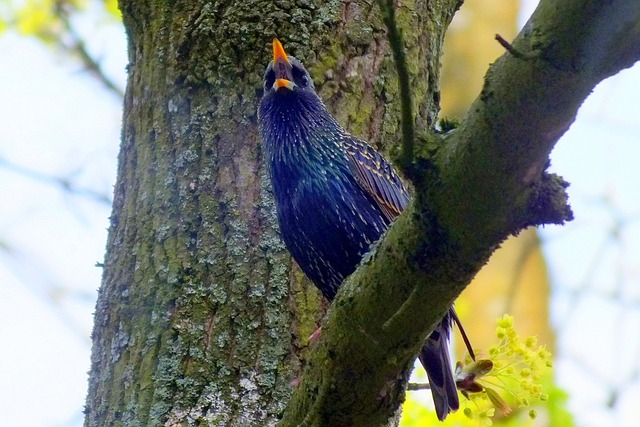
(435, 359)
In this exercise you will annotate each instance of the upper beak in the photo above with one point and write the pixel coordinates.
(282, 67)
(278, 52)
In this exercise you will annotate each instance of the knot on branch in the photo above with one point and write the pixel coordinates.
(548, 202)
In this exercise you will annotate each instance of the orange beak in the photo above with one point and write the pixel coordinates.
(283, 83)
(282, 67)
(278, 52)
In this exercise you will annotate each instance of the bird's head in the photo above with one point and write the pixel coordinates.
(285, 74)
(290, 112)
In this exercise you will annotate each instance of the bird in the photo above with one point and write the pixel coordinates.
(335, 197)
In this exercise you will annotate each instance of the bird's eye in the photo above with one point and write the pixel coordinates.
(300, 76)
(269, 79)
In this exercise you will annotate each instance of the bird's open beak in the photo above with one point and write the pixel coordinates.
(282, 67)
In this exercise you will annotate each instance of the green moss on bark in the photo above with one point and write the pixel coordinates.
(193, 320)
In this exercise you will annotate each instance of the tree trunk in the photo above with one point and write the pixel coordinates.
(202, 318)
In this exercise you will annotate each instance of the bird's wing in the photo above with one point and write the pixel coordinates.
(377, 177)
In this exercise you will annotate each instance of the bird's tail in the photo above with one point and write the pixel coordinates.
(435, 359)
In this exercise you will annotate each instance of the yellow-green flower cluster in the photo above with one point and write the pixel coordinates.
(518, 365)
(480, 412)
(509, 378)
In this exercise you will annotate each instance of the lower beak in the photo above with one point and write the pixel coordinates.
(283, 83)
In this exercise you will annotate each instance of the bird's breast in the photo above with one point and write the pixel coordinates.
(325, 220)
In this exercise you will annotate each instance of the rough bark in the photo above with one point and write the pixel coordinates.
(201, 318)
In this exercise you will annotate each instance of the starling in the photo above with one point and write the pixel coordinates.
(335, 196)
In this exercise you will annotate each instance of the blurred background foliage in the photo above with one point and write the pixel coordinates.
(587, 316)
(52, 23)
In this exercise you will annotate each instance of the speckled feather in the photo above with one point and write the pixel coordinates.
(335, 196)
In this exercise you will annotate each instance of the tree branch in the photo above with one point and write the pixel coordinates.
(65, 183)
(397, 48)
(485, 182)
(78, 46)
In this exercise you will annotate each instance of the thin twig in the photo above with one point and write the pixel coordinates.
(515, 52)
(418, 386)
(79, 47)
(65, 183)
(397, 48)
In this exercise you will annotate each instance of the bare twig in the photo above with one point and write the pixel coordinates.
(78, 46)
(65, 183)
(397, 47)
(418, 386)
(515, 52)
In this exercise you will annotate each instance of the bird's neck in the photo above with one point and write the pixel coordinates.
(305, 138)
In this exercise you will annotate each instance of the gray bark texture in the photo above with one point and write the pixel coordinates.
(202, 319)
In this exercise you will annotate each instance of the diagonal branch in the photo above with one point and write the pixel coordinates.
(486, 181)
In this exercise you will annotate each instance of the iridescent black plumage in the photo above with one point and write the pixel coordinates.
(335, 196)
